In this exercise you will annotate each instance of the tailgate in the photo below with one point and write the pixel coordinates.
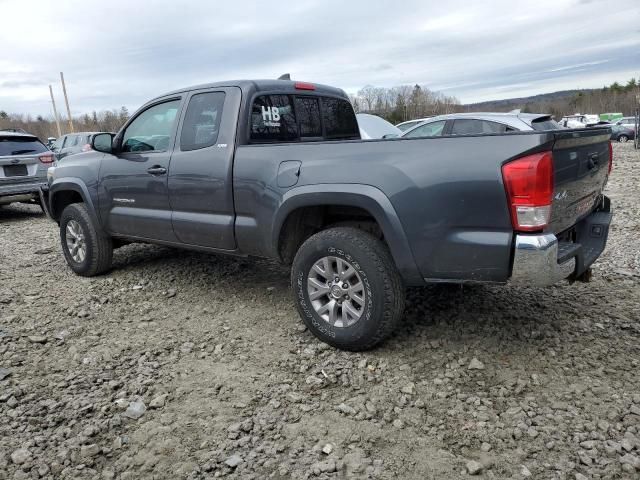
(581, 169)
(20, 169)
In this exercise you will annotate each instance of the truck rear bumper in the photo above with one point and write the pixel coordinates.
(541, 260)
(535, 261)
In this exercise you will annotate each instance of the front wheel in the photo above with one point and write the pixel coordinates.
(86, 249)
(347, 288)
(623, 139)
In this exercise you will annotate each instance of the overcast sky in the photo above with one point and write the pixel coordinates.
(117, 52)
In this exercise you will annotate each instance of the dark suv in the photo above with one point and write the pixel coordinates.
(23, 167)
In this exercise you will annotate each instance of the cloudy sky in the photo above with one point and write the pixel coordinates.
(116, 52)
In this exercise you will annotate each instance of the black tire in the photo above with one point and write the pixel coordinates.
(99, 248)
(384, 302)
(623, 139)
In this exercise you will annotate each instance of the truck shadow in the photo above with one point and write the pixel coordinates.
(470, 316)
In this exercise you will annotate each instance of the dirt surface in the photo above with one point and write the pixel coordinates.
(182, 365)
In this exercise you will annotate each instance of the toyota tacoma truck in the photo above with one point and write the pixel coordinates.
(277, 169)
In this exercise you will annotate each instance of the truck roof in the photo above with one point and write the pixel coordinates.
(251, 86)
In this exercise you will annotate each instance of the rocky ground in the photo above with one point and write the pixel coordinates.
(183, 365)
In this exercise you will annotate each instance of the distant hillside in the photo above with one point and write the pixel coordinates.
(522, 102)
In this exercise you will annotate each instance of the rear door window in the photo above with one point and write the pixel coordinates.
(433, 129)
(339, 119)
(10, 145)
(202, 121)
(308, 116)
(273, 119)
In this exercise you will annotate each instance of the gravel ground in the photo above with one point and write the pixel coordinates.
(183, 365)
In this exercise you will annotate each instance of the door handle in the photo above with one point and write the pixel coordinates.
(157, 170)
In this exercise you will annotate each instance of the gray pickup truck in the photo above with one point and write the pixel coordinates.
(277, 169)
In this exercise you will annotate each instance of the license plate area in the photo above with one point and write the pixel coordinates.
(15, 171)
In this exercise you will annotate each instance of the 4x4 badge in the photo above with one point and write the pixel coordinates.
(561, 195)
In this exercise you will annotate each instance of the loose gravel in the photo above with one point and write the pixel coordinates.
(182, 365)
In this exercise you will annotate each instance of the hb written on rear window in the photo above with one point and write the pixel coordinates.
(20, 146)
(293, 118)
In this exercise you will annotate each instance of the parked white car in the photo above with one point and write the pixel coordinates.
(579, 120)
(481, 123)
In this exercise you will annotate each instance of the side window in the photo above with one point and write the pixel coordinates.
(273, 120)
(339, 119)
(467, 127)
(151, 130)
(433, 129)
(202, 121)
(73, 141)
(494, 127)
(308, 115)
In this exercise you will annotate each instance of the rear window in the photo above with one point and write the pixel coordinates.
(339, 119)
(290, 118)
(272, 119)
(308, 115)
(20, 146)
(544, 123)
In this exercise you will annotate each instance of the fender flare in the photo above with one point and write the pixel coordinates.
(72, 184)
(368, 198)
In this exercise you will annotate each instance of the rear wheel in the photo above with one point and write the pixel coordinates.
(347, 288)
(623, 139)
(86, 249)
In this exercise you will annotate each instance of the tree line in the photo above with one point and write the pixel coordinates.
(404, 102)
(615, 98)
(44, 127)
(395, 104)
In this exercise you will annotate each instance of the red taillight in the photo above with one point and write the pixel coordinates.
(610, 156)
(86, 147)
(305, 86)
(46, 158)
(529, 184)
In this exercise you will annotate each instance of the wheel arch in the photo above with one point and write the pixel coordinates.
(366, 198)
(65, 191)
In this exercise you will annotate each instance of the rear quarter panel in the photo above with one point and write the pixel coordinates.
(447, 193)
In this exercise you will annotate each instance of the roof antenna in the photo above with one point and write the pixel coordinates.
(286, 76)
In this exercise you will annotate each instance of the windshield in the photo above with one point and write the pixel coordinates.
(372, 126)
(10, 145)
(406, 126)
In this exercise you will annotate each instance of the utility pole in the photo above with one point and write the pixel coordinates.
(55, 112)
(66, 101)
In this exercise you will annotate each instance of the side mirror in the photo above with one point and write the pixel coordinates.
(102, 142)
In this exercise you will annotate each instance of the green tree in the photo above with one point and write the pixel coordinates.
(631, 85)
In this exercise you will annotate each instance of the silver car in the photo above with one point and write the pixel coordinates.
(24, 161)
(481, 124)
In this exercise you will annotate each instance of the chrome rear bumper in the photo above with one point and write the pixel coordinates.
(535, 261)
(541, 260)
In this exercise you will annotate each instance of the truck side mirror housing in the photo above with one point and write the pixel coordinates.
(102, 142)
